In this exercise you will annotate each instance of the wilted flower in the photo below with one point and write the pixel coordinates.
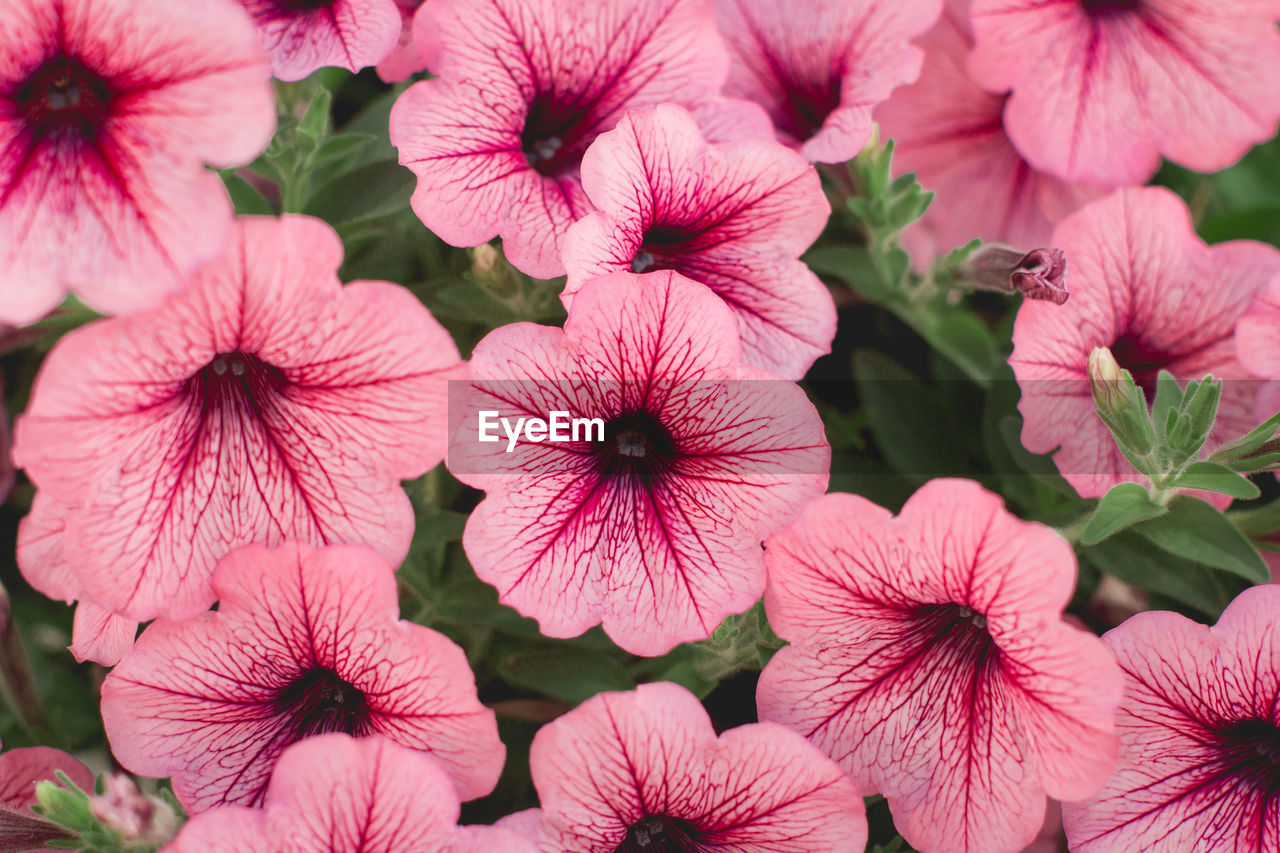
(655, 531)
(1040, 274)
(819, 68)
(930, 659)
(950, 133)
(1199, 736)
(305, 641)
(335, 794)
(734, 216)
(643, 772)
(267, 402)
(1102, 88)
(1145, 286)
(522, 89)
(109, 110)
(303, 36)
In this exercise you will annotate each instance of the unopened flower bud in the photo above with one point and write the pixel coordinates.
(1038, 274)
(1105, 379)
(1121, 404)
(484, 258)
(131, 813)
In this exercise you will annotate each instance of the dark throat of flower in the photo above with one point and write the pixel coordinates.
(1098, 9)
(959, 632)
(808, 105)
(660, 249)
(555, 135)
(319, 701)
(64, 101)
(660, 834)
(236, 380)
(1141, 360)
(1250, 751)
(636, 447)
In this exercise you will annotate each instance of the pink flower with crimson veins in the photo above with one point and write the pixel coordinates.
(109, 110)
(336, 794)
(303, 36)
(523, 87)
(950, 133)
(405, 60)
(1258, 346)
(1102, 88)
(305, 641)
(654, 531)
(644, 771)
(1146, 287)
(1199, 736)
(97, 634)
(930, 659)
(735, 216)
(266, 403)
(818, 67)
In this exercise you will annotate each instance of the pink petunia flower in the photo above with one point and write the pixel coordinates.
(950, 132)
(405, 60)
(109, 110)
(1102, 88)
(303, 36)
(305, 641)
(523, 88)
(266, 403)
(1258, 347)
(930, 659)
(97, 634)
(1199, 736)
(735, 217)
(820, 67)
(645, 771)
(654, 531)
(335, 794)
(1144, 285)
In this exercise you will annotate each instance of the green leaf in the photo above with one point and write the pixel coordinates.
(964, 340)
(1129, 558)
(855, 267)
(1217, 478)
(917, 435)
(371, 191)
(1251, 441)
(1122, 506)
(568, 673)
(1196, 531)
(1168, 399)
(336, 149)
(314, 125)
(247, 200)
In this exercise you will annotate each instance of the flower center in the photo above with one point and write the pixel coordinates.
(660, 834)
(552, 138)
(1109, 8)
(236, 378)
(960, 631)
(660, 244)
(64, 99)
(1141, 360)
(1251, 752)
(318, 702)
(635, 445)
(808, 105)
